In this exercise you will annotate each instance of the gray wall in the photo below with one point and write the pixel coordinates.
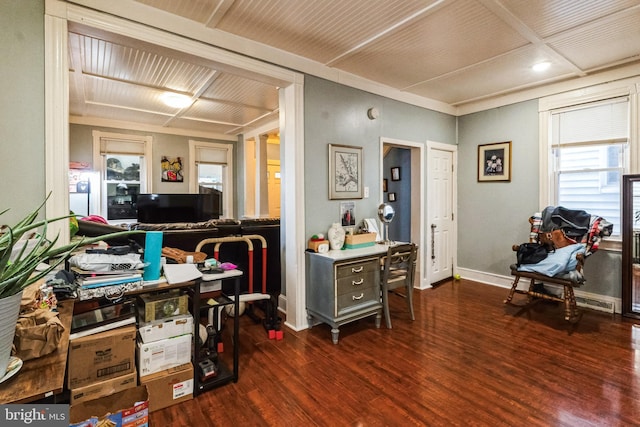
(21, 108)
(337, 114)
(492, 216)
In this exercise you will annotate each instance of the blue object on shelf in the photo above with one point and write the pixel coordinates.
(152, 255)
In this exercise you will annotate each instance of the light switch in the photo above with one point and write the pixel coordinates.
(366, 192)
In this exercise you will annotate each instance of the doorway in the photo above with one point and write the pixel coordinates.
(291, 97)
(410, 178)
(262, 175)
(441, 241)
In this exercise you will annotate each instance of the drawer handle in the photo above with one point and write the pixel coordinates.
(359, 282)
(357, 270)
(356, 298)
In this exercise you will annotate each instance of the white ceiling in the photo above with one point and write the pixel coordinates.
(452, 51)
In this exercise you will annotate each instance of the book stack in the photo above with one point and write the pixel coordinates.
(98, 284)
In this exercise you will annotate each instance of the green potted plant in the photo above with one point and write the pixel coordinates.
(19, 261)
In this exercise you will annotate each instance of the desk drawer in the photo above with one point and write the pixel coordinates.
(353, 299)
(357, 268)
(357, 283)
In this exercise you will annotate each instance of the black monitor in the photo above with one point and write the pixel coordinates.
(160, 208)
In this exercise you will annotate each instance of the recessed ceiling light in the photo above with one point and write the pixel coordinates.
(176, 100)
(541, 66)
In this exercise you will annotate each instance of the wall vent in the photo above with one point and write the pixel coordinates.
(596, 304)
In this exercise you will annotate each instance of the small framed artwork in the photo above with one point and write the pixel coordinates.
(494, 162)
(347, 213)
(391, 197)
(345, 172)
(395, 174)
(171, 169)
(384, 185)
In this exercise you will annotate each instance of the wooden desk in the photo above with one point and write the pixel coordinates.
(344, 286)
(44, 376)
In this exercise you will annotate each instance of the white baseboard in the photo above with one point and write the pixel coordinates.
(484, 277)
(282, 308)
(584, 299)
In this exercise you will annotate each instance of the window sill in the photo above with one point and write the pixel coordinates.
(612, 245)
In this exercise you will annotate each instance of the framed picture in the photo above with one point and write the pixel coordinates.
(384, 185)
(171, 169)
(391, 197)
(494, 162)
(345, 172)
(395, 174)
(348, 214)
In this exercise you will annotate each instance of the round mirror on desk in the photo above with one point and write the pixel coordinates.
(386, 214)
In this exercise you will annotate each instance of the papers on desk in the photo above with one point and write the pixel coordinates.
(179, 273)
(371, 226)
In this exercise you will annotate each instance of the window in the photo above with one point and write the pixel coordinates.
(589, 151)
(121, 160)
(211, 170)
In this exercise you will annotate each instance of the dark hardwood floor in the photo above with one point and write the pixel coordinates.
(467, 359)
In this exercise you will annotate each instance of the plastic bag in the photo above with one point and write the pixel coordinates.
(106, 262)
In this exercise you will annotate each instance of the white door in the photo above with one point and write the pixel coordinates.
(441, 238)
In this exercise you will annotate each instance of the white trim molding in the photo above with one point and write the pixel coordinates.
(56, 102)
(507, 281)
(60, 14)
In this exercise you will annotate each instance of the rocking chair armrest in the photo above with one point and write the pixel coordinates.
(580, 258)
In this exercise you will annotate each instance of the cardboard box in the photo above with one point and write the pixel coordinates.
(101, 356)
(314, 244)
(170, 386)
(353, 241)
(127, 408)
(166, 328)
(163, 305)
(103, 388)
(163, 354)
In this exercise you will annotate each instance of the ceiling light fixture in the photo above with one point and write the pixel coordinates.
(541, 66)
(176, 100)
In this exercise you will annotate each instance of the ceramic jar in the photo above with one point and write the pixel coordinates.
(336, 236)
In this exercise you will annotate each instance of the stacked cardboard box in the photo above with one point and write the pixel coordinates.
(164, 350)
(126, 408)
(170, 386)
(102, 364)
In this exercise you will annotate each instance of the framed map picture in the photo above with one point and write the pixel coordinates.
(345, 172)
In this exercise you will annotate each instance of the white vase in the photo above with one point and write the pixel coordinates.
(336, 236)
(9, 311)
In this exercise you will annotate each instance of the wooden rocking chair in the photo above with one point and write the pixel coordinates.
(579, 228)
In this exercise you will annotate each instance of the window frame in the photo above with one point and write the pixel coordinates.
(575, 99)
(228, 181)
(140, 145)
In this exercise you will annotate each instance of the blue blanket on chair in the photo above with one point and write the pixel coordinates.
(558, 262)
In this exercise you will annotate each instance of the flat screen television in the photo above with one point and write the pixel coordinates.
(160, 208)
